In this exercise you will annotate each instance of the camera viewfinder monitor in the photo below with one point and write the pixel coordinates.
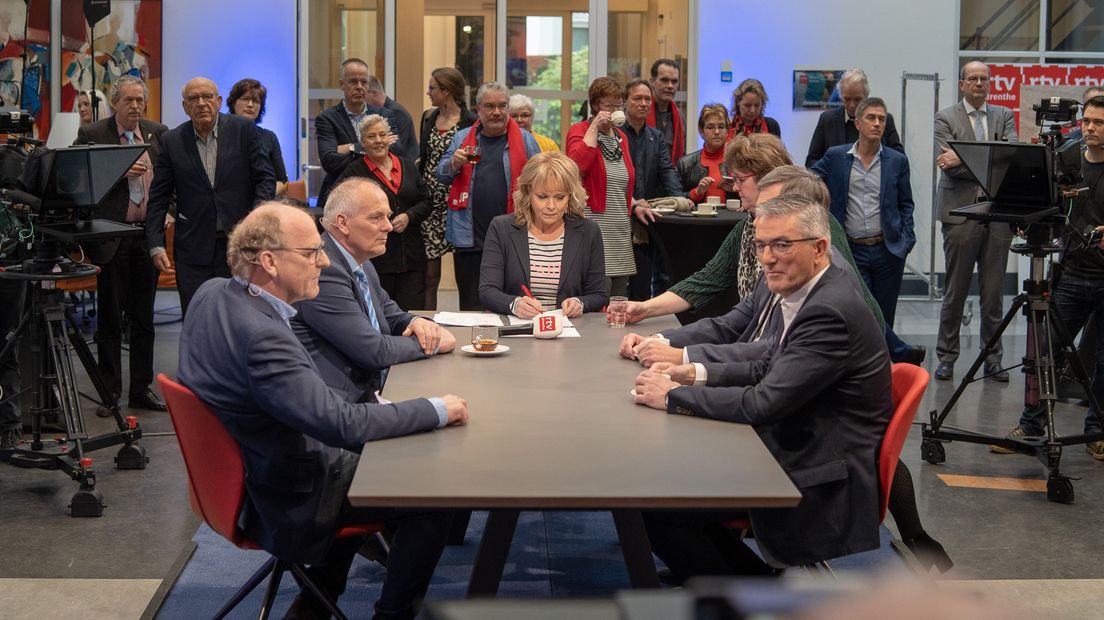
(80, 176)
(1014, 177)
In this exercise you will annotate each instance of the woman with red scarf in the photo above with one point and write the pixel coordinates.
(601, 151)
(702, 172)
(748, 102)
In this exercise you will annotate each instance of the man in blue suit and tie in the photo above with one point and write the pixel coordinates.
(212, 165)
(352, 330)
(872, 199)
(300, 440)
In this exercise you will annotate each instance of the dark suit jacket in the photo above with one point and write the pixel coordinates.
(820, 402)
(505, 265)
(831, 131)
(895, 199)
(243, 177)
(655, 174)
(405, 250)
(271, 145)
(114, 205)
(335, 330)
(403, 128)
(711, 339)
(299, 438)
(332, 129)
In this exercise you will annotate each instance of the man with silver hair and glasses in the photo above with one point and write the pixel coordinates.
(481, 167)
(128, 278)
(837, 125)
(300, 440)
(820, 399)
(522, 110)
(352, 329)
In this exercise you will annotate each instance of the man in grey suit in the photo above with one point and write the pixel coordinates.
(353, 330)
(819, 399)
(299, 439)
(969, 242)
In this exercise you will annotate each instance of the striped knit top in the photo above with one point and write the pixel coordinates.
(614, 222)
(545, 258)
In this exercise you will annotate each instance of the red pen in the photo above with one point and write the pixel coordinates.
(528, 293)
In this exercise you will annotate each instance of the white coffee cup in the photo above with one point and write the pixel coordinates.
(732, 204)
(707, 207)
(617, 117)
(715, 200)
(548, 325)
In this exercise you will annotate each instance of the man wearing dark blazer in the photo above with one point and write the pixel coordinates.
(969, 242)
(402, 124)
(872, 199)
(353, 344)
(300, 439)
(337, 129)
(837, 125)
(128, 279)
(656, 177)
(820, 401)
(214, 167)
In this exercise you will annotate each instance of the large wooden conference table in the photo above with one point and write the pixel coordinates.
(553, 427)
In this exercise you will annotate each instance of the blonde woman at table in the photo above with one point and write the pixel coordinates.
(545, 255)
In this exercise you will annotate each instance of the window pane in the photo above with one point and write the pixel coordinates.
(999, 25)
(1075, 26)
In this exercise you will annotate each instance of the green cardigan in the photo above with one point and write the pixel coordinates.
(720, 272)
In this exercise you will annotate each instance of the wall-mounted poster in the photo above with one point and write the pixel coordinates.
(126, 42)
(815, 89)
(24, 59)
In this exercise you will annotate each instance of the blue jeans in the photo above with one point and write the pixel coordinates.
(882, 271)
(1076, 300)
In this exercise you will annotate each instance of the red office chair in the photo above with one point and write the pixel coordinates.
(909, 383)
(216, 477)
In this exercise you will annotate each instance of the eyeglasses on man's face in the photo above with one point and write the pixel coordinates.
(207, 97)
(311, 254)
(977, 79)
(779, 247)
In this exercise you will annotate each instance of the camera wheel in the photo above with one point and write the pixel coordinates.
(932, 451)
(131, 456)
(86, 503)
(1060, 489)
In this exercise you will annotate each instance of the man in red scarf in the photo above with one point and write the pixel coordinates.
(481, 167)
(664, 114)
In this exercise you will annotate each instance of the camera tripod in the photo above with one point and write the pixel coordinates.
(53, 335)
(1046, 332)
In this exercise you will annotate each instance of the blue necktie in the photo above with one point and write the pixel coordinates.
(362, 281)
(979, 126)
(136, 184)
(366, 293)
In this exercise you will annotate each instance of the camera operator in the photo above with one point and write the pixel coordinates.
(11, 309)
(1079, 294)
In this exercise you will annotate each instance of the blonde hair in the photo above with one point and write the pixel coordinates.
(549, 168)
(757, 154)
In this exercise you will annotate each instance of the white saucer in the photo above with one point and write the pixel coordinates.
(470, 350)
(701, 214)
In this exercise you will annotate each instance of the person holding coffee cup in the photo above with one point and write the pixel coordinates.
(546, 254)
(601, 151)
(703, 172)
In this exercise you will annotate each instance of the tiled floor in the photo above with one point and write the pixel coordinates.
(1012, 542)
